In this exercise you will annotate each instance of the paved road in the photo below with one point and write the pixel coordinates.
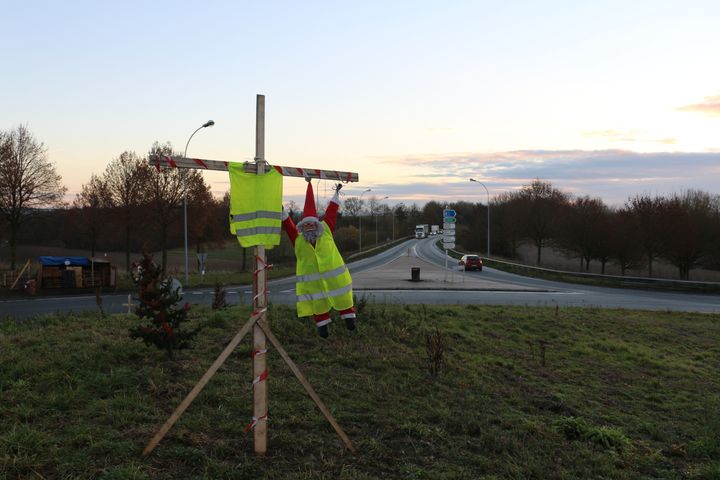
(385, 278)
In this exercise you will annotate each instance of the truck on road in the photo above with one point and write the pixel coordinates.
(434, 229)
(421, 231)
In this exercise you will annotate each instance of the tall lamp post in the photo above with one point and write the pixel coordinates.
(209, 123)
(488, 216)
(376, 217)
(360, 215)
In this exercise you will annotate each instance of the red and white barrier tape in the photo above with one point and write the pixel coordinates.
(255, 353)
(260, 378)
(255, 421)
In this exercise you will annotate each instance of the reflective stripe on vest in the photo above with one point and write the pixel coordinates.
(254, 215)
(317, 276)
(332, 293)
(322, 279)
(246, 232)
(255, 207)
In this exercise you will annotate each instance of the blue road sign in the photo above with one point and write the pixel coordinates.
(448, 213)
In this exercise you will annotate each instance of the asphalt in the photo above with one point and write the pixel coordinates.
(397, 275)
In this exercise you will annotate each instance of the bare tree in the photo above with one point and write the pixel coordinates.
(353, 206)
(92, 204)
(541, 205)
(624, 241)
(166, 190)
(688, 221)
(124, 181)
(584, 229)
(648, 213)
(28, 180)
(508, 231)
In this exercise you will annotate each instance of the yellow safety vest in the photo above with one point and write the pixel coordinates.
(322, 280)
(255, 206)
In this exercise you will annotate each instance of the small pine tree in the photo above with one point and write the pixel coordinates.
(219, 301)
(159, 307)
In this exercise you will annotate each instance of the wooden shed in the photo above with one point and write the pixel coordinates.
(75, 272)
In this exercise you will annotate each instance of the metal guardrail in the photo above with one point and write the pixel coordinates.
(614, 280)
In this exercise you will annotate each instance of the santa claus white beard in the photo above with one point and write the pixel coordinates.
(311, 236)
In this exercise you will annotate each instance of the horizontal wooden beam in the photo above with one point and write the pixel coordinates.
(250, 167)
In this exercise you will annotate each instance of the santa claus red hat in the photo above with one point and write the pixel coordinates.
(309, 210)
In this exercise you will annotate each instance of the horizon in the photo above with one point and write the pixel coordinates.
(610, 100)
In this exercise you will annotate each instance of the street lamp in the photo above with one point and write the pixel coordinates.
(209, 123)
(488, 216)
(376, 229)
(360, 214)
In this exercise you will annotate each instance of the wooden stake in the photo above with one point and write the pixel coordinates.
(308, 388)
(201, 384)
(260, 390)
(130, 305)
(17, 279)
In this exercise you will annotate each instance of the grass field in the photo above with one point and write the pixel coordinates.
(517, 393)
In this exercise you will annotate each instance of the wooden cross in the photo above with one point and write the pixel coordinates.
(258, 320)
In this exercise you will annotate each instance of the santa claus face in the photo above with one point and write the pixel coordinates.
(310, 229)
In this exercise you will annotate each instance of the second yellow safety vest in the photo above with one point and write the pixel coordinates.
(255, 206)
(322, 281)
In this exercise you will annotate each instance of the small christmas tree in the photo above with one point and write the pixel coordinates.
(159, 306)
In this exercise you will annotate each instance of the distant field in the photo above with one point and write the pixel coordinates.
(518, 393)
(661, 269)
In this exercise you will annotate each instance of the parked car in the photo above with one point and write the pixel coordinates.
(471, 262)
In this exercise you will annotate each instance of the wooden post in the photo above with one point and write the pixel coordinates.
(260, 390)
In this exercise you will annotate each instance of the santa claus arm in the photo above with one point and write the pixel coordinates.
(332, 209)
(289, 227)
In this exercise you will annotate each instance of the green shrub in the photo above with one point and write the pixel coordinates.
(579, 429)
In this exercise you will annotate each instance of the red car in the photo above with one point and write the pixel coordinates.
(471, 262)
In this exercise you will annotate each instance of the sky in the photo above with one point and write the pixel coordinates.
(609, 99)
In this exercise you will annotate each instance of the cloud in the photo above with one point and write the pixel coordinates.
(711, 106)
(628, 136)
(613, 175)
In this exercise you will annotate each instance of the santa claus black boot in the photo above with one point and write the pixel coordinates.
(323, 331)
(349, 317)
(322, 321)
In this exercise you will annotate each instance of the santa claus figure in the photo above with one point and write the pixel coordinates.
(322, 280)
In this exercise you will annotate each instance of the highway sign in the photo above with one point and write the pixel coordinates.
(448, 226)
(450, 219)
(448, 245)
(449, 238)
(448, 213)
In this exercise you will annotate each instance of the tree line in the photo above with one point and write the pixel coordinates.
(682, 229)
(132, 206)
